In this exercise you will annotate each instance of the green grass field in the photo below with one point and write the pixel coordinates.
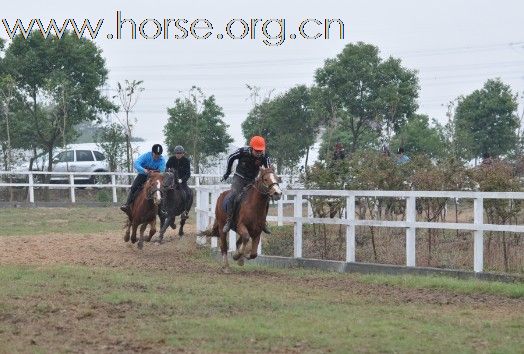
(173, 298)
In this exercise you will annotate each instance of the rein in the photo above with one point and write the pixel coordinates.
(263, 189)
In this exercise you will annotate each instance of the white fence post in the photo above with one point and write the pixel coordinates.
(411, 215)
(478, 243)
(31, 188)
(280, 211)
(232, 241)
(214, 197)
(309, 209)
(203, 217)
(197, 208)
(113, 183)
(297, 214)
(350, 229)
(72, 184)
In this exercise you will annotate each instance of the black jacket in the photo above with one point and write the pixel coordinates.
(181, 166)
(248, 165)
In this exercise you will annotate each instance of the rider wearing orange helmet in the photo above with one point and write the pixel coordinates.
(250, 159)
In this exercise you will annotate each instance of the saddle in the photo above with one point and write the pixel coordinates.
(227, 204)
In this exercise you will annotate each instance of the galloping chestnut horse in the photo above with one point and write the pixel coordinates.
(250, 219)
(144, 209)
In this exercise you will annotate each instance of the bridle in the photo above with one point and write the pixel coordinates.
(152, 191)
(261, 187)
(172, 185)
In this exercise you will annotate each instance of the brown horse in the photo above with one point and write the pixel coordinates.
(251, 216)
(144, 209)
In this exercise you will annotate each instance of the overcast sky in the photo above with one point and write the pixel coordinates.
(455, 45)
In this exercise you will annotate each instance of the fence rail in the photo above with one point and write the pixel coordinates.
(207, 196)
(115, 182)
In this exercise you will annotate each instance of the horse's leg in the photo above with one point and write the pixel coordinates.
(223, 250)
(181, 230)
(254, 247)
(243, 235)
(164, 227)
(133, 232)
(128, 232)
(141, 239)
(152, 229)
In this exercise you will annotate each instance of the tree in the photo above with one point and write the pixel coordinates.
(196, 123)
(128, 95)
(418, 137)
(486, 121)
(59, 81)
(287, 123)
(113, 142)
(366, 91)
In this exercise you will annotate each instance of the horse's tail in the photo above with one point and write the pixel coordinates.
(212, 232)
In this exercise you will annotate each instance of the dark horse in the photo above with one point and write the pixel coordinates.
(173, 204)
(251, 216)
(144, 209)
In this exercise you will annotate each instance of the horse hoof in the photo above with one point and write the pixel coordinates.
(236, 256)
(140, 245)
(240, 262)
(133, 240)
(253, 256)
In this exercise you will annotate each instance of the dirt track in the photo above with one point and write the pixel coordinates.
(93, 320)
(109, 250)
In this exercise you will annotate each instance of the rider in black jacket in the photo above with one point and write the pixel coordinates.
(250, 159)
(180, 164)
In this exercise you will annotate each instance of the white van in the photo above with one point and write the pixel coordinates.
(80, 160)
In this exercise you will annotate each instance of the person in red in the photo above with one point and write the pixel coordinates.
(250, 159)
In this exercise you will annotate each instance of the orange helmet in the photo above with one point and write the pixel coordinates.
(257, 143)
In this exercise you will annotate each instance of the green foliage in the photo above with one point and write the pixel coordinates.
(418, 137)
(197, 124)
(486, 121)
(368, 92)
(280, 121)
(59, 81)
(498, 176)
(112, 141)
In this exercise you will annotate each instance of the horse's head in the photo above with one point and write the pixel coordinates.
(170, 179)
(153, 187)
(267, 183)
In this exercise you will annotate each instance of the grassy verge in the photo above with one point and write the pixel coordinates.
(42, 221)
(64, 308)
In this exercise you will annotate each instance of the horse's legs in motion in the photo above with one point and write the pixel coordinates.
(243, 240)
(128, 232)
(254, 247)
(141, 239)
(223, 249)
(164, 227)
(133, 232)
(152, 229)
(181, 230)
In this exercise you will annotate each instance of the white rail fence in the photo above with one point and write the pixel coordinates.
(207, 196)
(117, 180)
